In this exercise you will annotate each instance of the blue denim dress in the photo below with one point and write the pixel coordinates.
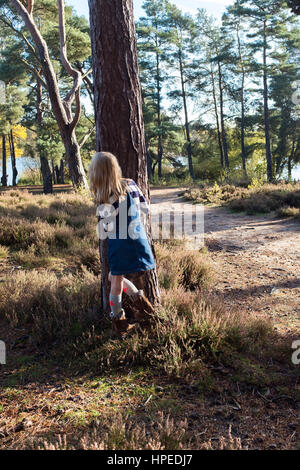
(128, 247)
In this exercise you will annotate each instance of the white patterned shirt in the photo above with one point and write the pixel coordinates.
(111, 210)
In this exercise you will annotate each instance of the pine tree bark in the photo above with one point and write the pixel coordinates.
(118, 107)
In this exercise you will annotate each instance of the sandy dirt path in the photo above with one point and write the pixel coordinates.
(256, 259)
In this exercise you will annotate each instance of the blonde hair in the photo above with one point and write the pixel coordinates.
(105, 177)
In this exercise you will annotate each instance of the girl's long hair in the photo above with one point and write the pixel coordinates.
(105, 177)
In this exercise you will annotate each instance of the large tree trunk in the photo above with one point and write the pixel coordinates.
(76, 169)
(266, 110)
(118, 106)
(13, 158)
(4, 175)
(45, 168)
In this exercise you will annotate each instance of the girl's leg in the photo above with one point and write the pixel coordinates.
(128, 287)
(115, 296)
(140, 300)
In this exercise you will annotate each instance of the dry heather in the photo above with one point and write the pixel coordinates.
(44, 230)
(58, 303)
(181, 267)
(283, 198)
(188, 334)
(119, 433)
(49, 291)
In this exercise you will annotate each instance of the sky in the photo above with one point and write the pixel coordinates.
(214, 7)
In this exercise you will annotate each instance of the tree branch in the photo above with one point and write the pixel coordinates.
(48, 70)
(78, 110)
(34, 71)
(63, 54)
(30, 4)
(19, 33)
(87, 135)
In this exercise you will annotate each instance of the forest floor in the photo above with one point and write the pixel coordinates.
(249, 403)
(256, 259)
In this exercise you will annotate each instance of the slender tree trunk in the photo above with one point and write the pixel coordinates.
(186, 117)
(46, 175)
(57, 174)
(282, 148)
(13, 158)
(53, 172)
(118, 107)
(149, 161)
(243, 148)
(158, 91)
(4, 175)
(61, 171)
(217, 118)
(289, 169)
(153, 167)
(45, 168)
(290, 159)
(266, 109)
(148, 158)
(223, 129)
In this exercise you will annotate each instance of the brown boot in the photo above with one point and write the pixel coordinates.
(121, 326)
(144, 310)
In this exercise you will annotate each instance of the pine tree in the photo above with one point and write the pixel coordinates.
(262, 15)
(180, 29)
(118, 105)
(240, 65)
(215, 46)
(285, 115)
(151, 47)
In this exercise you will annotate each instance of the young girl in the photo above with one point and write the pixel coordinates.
(119, 206)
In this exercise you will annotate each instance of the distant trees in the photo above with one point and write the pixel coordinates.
(215, 44)
(180, 33)
(295, 6)
(210, 91)
(11, 113)
(152, 44)
(222, 83)
(42, 48)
